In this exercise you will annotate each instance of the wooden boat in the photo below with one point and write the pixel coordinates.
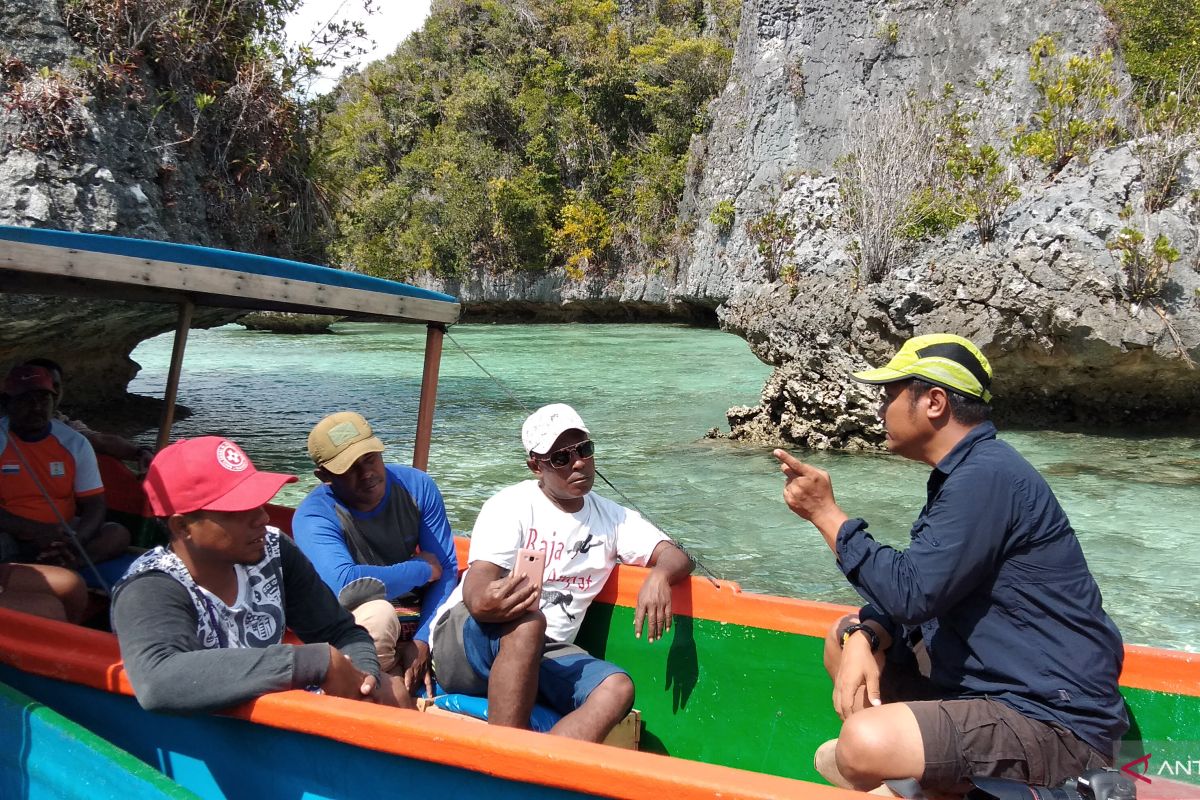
(47, 756)
(734, 700)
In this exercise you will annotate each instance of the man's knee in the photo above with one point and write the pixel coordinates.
(861, 747)
(378, 617)
(528, 629)
(615, 692)
(68, 586)
(878, 744)
(110, 541)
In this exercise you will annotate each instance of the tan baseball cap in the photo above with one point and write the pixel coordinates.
(340, 439)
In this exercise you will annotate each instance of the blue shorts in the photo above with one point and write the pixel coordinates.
(464, 651)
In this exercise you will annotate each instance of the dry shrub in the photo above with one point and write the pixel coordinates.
(889, 155)
(50, 106)
(1164, 132)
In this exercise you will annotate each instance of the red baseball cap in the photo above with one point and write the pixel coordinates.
(208, 473)
(23, 379)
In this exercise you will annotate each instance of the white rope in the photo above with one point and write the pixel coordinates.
(512, 396)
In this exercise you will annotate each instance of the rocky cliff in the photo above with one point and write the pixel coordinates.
(118, 164)
(1046, 299)
(1043, 300)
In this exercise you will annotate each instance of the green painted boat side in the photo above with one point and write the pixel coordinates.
(723, 693)
(1164, 724)
(759, 699)
(46, 755)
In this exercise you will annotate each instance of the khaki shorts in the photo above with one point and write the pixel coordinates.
(980, 736)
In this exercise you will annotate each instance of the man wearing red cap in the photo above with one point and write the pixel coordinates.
(214, 602)
(50, 487)
(105, 444)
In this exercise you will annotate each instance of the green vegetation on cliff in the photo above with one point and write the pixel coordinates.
(517, 136)
(213, 85)
(1160, 39)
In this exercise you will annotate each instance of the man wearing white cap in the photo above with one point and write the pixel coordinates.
(201, 620)
(499, 635)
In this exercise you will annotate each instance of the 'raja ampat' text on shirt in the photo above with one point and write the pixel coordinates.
(62, 461)
(581, 548)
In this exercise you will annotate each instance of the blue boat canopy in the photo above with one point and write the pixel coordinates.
(39, 261)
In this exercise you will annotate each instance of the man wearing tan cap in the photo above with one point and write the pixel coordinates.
(378, 535)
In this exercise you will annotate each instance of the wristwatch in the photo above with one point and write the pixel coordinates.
(872, 636)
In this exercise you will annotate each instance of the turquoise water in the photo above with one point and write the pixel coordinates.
(649, 392)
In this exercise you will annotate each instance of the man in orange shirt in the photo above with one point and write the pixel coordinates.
(104, 444)
(48, 481)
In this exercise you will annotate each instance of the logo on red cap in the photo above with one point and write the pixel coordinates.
(209, 473)
(231, 457)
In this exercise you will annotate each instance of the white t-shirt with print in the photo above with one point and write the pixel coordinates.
(581, 548)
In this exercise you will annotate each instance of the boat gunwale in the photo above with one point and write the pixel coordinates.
(91, 658)
(61, 651)
(1151, 668)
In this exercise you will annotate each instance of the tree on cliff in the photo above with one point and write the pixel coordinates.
(516, 136)
(210, 83)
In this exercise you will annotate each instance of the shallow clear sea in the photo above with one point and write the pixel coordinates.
(649, 393)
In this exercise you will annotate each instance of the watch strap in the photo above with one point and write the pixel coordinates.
(870, 633)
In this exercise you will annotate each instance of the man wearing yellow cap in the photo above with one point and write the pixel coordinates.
(983, 649)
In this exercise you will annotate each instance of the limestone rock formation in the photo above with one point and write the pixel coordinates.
(117, 173)
(287, 322)
(1044, 301)
(801, 72)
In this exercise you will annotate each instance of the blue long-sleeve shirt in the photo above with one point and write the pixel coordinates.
(319, 532)
(997, 582)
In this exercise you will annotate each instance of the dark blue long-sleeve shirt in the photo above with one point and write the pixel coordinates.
(319, 531)
(996, 580)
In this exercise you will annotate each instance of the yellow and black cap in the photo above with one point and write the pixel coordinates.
(942, 359)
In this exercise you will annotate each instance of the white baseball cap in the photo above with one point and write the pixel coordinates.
(544, 426)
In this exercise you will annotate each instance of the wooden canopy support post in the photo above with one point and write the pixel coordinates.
(182, 326)
(429, 384)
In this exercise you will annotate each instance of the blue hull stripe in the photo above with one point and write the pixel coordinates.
(47, 757)
(232, 759)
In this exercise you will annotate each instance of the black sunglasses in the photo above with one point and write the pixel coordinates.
(561, 458)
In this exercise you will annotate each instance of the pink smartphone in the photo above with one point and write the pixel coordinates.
(531, 564)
